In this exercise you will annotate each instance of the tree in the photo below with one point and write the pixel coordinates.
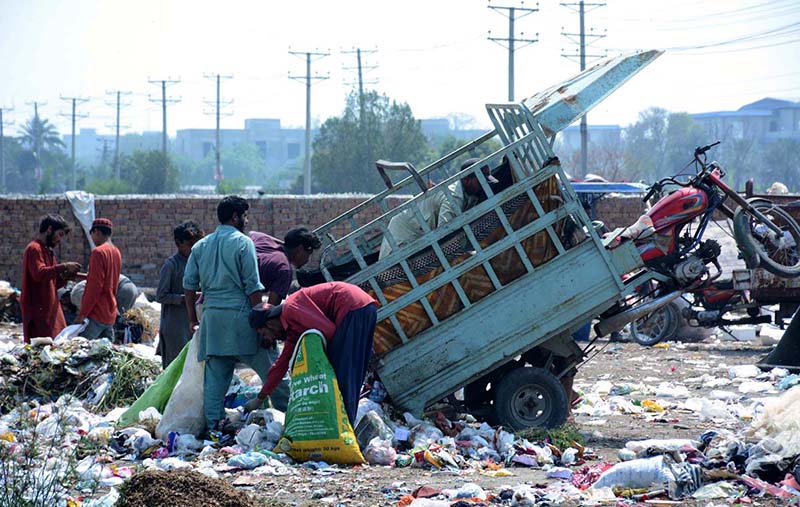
(41, 164)
(660, 143)
(781, 163)
(345, 151)
(150, 172)
(41, 133)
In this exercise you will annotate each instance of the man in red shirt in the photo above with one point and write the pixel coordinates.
(41, 277)
(343, 313)
(99, 305)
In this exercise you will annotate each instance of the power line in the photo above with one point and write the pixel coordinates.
(3, 124)
(75, 101)
(164, 101)
(308, 78)
(582, 44)
(511, 40)
(218, 176)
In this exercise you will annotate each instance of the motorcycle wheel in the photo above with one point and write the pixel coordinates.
(778, 259)
(657, 326)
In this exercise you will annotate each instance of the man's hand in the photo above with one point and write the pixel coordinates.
(72, 268)
(266, 338)
(253, 404)
(193, 325)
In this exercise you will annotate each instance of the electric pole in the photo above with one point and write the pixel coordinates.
(37, 137)
(119, 104)
(3, 147)
(218, 176)
(581, 7)
(510, 42)
(361, 68)
(164, 101)
(75, 101)
(308, 78)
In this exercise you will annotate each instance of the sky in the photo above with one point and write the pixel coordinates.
(435, 55)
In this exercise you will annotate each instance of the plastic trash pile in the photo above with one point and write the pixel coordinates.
(104, 375)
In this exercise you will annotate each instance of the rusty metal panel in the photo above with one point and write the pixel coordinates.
(559, 106)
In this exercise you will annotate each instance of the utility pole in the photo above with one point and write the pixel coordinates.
(75, 101)
(164, 101)
(308, 78)
(510, 41)
(580, 7)
(218, 176)
(37, 137)
(3, 148)
(119, 104)
(361, 68)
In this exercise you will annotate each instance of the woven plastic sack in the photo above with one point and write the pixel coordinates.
(316, 426)
(158, 394)
(184, 412)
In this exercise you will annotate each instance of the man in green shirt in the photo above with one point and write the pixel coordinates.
(223, 266)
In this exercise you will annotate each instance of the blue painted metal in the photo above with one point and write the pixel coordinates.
(559, 106)
(608, 188)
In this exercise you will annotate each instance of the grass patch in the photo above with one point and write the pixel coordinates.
(561, 436)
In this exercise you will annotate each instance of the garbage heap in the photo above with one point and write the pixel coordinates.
(103, 375)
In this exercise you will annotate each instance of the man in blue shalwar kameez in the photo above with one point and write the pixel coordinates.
(223, 266)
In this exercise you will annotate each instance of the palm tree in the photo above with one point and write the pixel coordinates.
(40, 134)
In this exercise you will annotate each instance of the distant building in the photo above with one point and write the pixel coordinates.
(765, 120)
(436, 129)
(90, 147)
(277, 145)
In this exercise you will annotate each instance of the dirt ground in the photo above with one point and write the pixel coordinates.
(619, 363)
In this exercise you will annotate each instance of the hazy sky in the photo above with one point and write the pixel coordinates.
(432, 54)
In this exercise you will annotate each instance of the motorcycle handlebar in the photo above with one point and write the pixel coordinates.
(650, 192)
(701, 150)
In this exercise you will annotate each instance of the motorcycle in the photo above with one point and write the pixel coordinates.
(670, 240)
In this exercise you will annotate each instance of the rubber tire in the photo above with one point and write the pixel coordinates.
(669, 312)
(547, 389)
(746, 233)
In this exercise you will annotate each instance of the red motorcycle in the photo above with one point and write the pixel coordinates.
(669, 238)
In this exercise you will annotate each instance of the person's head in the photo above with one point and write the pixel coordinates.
(266, 319)
(470, 182)
(232, 210)
(186, 235)
(299, 243)
(101, 230)
(52, 229)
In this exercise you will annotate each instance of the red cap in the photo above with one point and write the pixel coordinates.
(102, 222)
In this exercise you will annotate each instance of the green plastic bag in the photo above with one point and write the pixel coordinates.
(317, 427)
(157, 395)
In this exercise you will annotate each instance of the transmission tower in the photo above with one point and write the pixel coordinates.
(3, 124)
(164, 101)
(308, 78)
(218, 104)
(510, 42)
(74, 116)
(582, 8)
(119, 105)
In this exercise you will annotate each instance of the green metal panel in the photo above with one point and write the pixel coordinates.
(499, 327)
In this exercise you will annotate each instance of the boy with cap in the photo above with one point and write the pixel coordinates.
(346, 317)
(99, 305)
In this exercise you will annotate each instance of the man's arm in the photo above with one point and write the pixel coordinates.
(94, 283)
(163, 292)
(190, 297)
(248, 262)
(447, 210)
(40, 271)
(277, 371)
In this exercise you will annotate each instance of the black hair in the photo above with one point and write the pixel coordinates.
(300, 236)
(105, 231)
(57, 222)
(187, 231)
(230, 205)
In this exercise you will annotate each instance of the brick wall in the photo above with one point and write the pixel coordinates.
(143, 224)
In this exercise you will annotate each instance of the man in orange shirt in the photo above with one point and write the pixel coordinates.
(99, 304)
(41, 276)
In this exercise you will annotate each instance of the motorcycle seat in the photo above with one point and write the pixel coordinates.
(641, 229)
